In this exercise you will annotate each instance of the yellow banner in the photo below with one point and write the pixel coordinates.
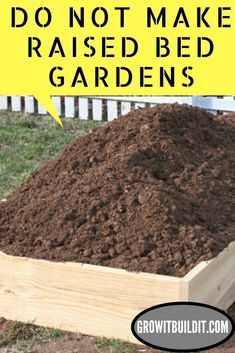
(116, 48)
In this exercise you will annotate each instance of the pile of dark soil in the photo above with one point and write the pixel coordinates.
(153, 191)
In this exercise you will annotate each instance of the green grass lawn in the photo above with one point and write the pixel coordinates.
(22, 337)
(28, 142)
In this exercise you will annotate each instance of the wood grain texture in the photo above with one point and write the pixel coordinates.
(90, 299)
(213, 282)
(103, 301)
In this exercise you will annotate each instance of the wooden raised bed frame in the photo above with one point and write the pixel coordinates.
(103, 301)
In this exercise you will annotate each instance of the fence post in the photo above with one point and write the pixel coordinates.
(194, 101)
(3, 103)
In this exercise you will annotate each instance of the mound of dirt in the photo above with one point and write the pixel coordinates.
(152, 191)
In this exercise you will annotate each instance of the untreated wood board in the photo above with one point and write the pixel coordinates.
(213, 282)
(90, 299)
(103, 301)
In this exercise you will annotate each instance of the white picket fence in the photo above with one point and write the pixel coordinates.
(108, 108)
